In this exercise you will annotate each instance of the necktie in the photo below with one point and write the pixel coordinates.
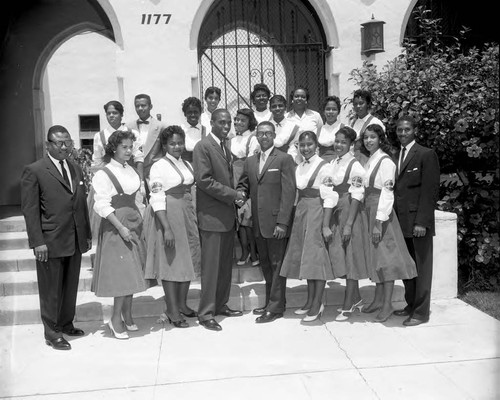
(224, 148)
(402, 158)
(262, 161)
(140, 121)
(64, 173)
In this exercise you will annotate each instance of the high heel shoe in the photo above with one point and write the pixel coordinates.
(311, 318)
(345, 314)
(178, 324)
(301, 311)
(132, 327)
(122, 335)
(243, 262)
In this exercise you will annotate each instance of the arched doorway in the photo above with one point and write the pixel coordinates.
(32, 30)
(278, 42)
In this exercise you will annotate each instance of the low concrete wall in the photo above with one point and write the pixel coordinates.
(445, 274)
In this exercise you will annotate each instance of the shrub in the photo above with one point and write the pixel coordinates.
(454, 95)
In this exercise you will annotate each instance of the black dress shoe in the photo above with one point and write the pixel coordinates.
(259, 311)
(58, 343)
(230, 313)
(211, 324)
(73, 332)
(414, 321)
(268, 317)
(190, 314)
(402, 313)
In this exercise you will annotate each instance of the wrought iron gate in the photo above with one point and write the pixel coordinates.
(277, 42)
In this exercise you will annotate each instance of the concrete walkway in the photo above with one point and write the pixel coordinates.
(455, 356)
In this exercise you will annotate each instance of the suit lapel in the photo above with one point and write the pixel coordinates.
(152, 135)
(217, 147)
(268, 163)
(55, 172)
(408, 158)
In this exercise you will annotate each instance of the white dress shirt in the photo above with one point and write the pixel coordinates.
(58, 166)
(355, 180)
(304, 171)
(408, 147)
(262, 115)
(193, 135)
(360, 122)
(264, 155)
(239, 145)
(327, 134)
(309, 121)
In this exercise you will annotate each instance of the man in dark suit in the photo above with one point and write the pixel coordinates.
(215, 204)
(269, 177)
(54, 206)
(416, 192)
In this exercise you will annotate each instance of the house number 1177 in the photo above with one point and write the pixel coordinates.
(155, 19)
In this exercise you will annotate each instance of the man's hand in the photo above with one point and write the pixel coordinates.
(279, 231)
(41, 253)
(240, 198)
(419, 231)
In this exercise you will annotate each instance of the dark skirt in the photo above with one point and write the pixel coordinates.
(349, 261)
(306, 255)
(118, 269)
(389, 259)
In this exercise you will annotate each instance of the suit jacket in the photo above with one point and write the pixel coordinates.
(272, 193)
(152, 147)
(54, 215)
(215, 194)
(416, 189)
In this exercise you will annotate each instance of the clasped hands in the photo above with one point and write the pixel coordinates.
(241, 197)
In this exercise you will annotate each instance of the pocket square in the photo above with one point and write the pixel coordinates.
(411, 170)
(80, 183)
(272, 170)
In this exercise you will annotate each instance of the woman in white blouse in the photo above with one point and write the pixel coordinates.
(306, 256)
(114, 116)
(120, 252)
(260, 98)
(193, 128)
(301, 115)
(242, 145)
(212, 99)
(388, 255)
(326, 135)
(344, 228)
(173, 244)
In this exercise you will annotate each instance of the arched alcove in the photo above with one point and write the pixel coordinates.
(289, 31)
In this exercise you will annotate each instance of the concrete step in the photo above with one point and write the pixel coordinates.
(24, 260)
(13, 240)
(19, 310)
(14, 223)
(14, 283)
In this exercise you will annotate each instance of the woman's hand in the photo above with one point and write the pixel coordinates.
(346, 235)
(125, 233)
(168, 235)
(377, 232)
(327, 234)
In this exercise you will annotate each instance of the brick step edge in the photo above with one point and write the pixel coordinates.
(22, 310)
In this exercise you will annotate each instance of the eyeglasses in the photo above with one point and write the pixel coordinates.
(59, 143)
(262, 134)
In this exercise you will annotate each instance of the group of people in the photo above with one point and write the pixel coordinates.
(309, 198)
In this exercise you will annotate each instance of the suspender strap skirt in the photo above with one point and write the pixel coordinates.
(389, 259)
(348, 261)
(118, 269)
(306, 255)
(182, 262)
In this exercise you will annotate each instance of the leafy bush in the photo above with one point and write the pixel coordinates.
(454, 96)
(83, 157)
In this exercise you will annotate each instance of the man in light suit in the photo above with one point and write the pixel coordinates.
(53, 202)
(215, 204)
(416, 192)
(149, 129)
(269, 177)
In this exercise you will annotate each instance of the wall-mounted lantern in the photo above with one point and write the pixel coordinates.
(372, 37)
